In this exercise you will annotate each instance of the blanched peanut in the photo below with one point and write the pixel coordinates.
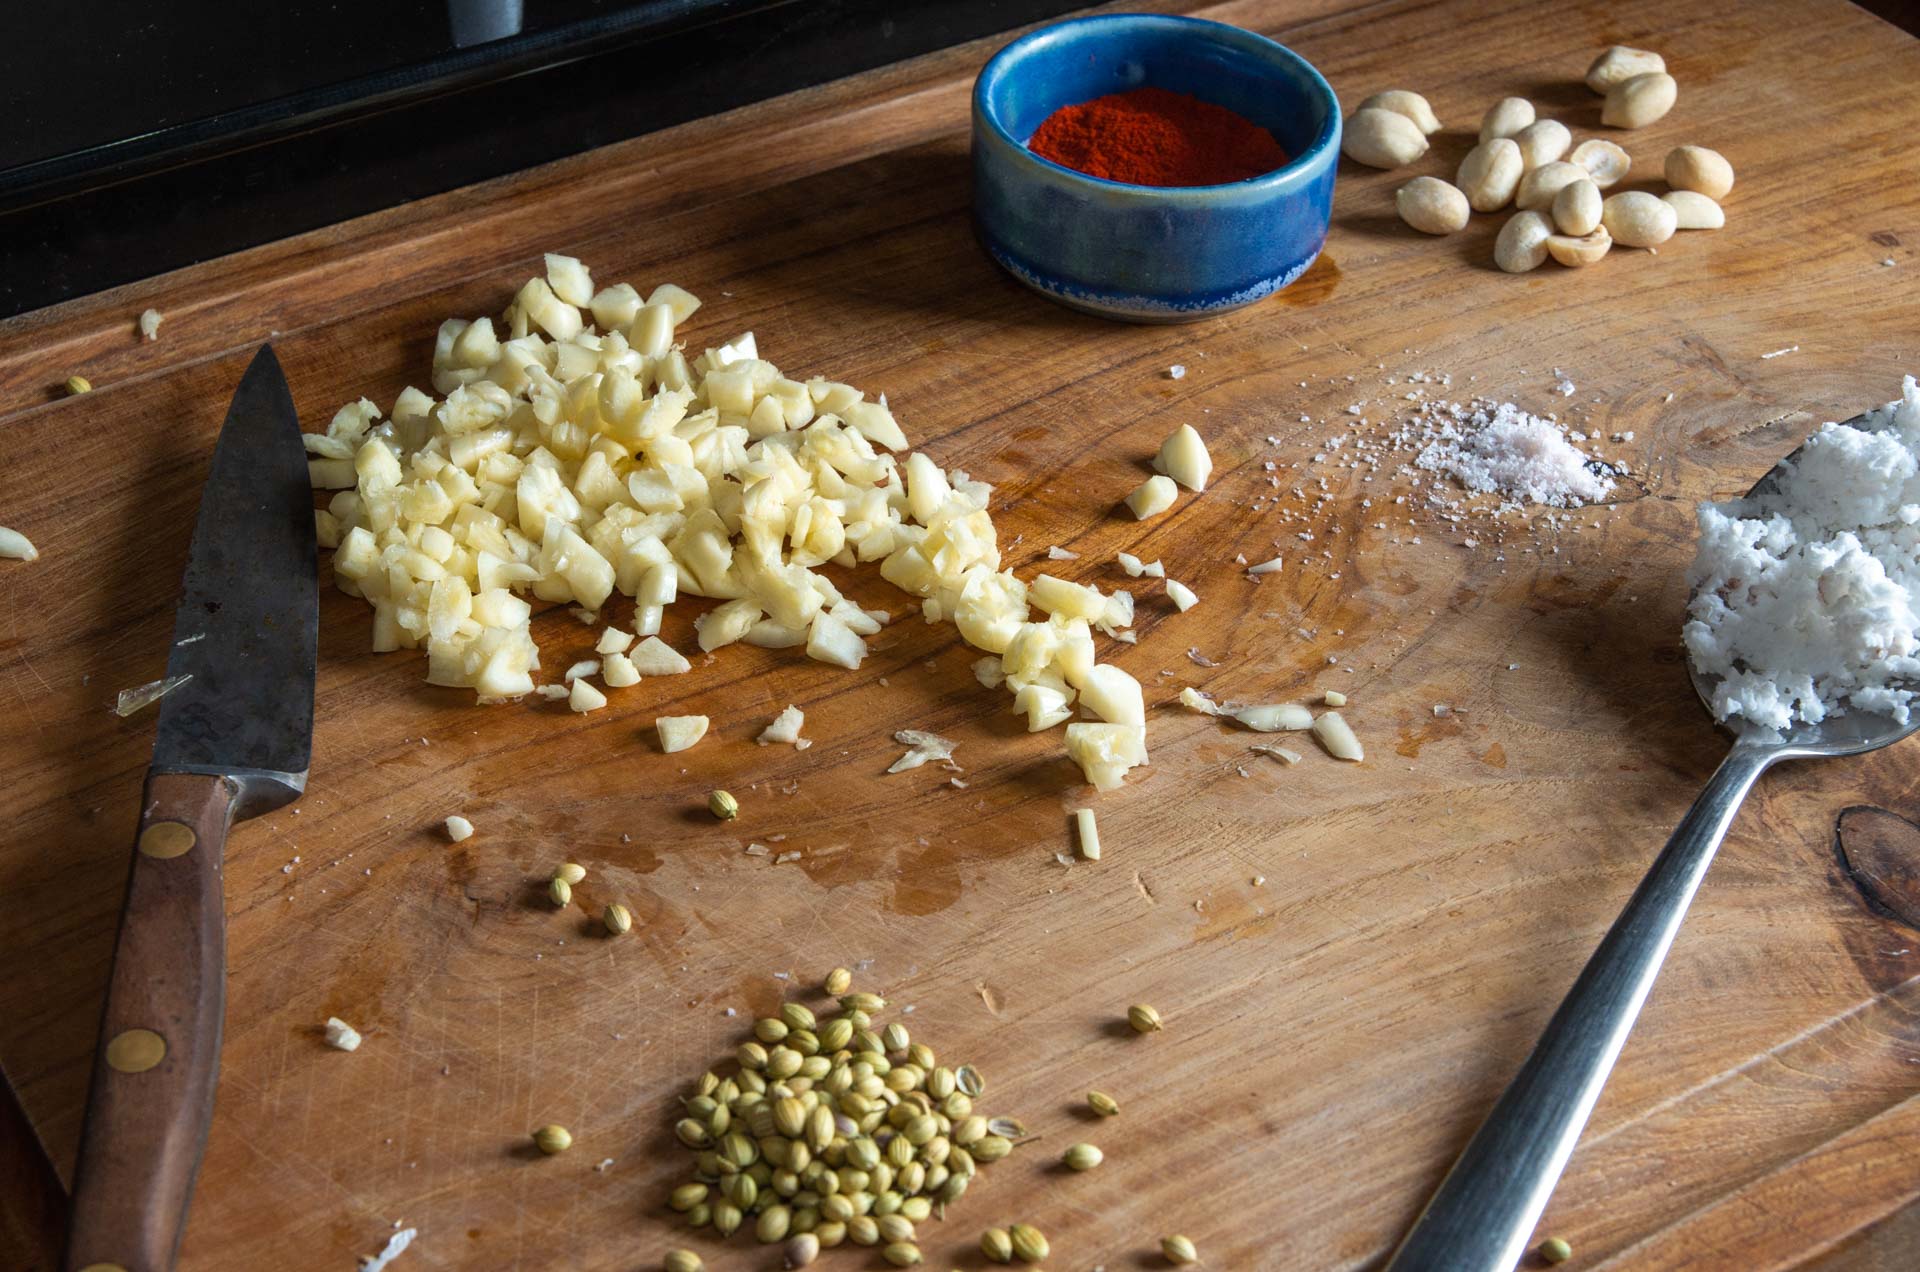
(1576, 209)
(1693, 210)
(1383, 138)
(1491, 173)
(1538, 188)
(1638, 219)
(1542, 142)
(1431, 206)
(1697, 168)
(1605, 162)
(1508, 116)
(1622, 63)
(1402, 102)
(1639, 101)
(1575, 251)
(1522, 244)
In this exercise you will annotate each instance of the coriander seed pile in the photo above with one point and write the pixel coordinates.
(833, 1131)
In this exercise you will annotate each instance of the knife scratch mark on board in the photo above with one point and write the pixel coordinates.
(1140, 885)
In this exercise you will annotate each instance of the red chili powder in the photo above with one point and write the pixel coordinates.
(1151, 136)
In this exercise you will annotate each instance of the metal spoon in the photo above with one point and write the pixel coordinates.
(1486, 1208)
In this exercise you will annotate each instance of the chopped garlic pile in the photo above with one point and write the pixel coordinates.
(575, 454)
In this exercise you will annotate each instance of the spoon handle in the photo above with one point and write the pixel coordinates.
(1485, 1210)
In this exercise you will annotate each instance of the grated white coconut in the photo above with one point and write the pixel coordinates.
(1804, 595)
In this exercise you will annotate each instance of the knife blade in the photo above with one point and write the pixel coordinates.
(234, 739)
(246, 631)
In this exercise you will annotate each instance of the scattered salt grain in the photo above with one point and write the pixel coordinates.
(340, 1035)
(396, 1244)
(150, 324)
(1176, 372)
(1061, 554)
(1781, 353)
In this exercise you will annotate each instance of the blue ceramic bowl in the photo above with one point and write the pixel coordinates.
(1150, 253)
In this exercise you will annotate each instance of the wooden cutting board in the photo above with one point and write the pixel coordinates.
(1351, 959)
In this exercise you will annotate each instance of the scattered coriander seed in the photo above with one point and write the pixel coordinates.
(1179, 1250)
(552, 1139)
(803, 1249)
(1007, 1127)
(997, 1245)
(1082, 1157)
(1555, 1250)
(619, 919)
(901, 1254)
(769, 1030)
(992, 1148)
(723, 805)
(896, 1038)
(797, 1016)
(838, 982)
(681, 1261)
(700, 1216)
(863, 1230)
(831, 1232)
(895, 1227)
(78, 384)
(772, 1225)
(570, 872)
(727, 1218)
(970, 1080)
(560, 892)
(1143, 1018)
(1029, 1243)
(687, 1196)
(862, 1002)
(1103, 1104)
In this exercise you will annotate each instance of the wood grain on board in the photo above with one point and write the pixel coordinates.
(1334, 1032)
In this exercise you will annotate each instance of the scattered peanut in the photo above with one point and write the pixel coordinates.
(1490, 174)
(1508, 116)
(1576, 208)
(1431, 206)
(1575, 251)
(1538, 188)
(1638, 219)
(1637, 102)
(1542, 142)
(1383, 138)
(1693, 210)
(1522, 244)
(1402, 102)
(1604, 161)
(1701, 170)
(1621, 63)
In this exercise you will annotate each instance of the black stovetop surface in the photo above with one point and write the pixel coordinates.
(142, 137)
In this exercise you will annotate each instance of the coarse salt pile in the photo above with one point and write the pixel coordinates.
(1804, 594)
(1496, 448)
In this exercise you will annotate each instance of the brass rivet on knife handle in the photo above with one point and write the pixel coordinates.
(167, 839)
(136, 1050)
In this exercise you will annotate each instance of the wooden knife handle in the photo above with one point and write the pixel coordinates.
(159, 1053)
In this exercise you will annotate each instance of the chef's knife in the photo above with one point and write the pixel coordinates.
(233, 741)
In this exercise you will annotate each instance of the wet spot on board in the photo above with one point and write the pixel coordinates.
(1317, 284)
